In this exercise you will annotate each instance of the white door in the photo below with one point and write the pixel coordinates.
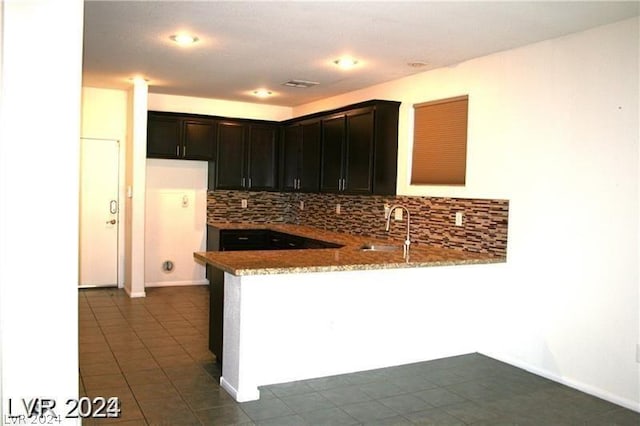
(99, 207)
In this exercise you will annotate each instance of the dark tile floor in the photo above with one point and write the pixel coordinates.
(152, 353)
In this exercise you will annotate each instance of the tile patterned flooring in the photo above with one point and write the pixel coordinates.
(152, 353)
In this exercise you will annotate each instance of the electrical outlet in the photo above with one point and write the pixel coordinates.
(459, 217)
(338, 209)
(185, 201)
(243, 204)
(397, 214)
(301, 205)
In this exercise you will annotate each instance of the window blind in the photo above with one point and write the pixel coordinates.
(440, 142)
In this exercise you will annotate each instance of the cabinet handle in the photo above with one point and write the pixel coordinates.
(177, 150)
(296, 184)
(184, 151)
(243, 182)
(243, 238)
(249, 182)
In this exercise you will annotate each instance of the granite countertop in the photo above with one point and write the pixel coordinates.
(347, 258)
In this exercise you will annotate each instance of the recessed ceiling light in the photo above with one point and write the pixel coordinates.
(184, 39)
(346, 62)
(138, 78)
(262, 93)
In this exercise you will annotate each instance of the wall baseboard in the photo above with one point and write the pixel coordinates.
(176, 283)
(239, 396)
(583, 387)
(135, 293)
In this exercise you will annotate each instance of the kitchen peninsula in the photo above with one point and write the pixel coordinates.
(298, 314)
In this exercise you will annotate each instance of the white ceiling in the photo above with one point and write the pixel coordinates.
(247, 45)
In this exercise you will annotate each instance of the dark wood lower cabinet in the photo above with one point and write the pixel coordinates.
(216, 297)
(216, 311)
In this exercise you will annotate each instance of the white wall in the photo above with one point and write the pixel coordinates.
(104, 116)
(39, 186)
(553, 127)
(172, 103)
(173, 230)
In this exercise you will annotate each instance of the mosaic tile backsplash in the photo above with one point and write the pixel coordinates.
(483, 230)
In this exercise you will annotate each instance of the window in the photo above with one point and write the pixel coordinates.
(440, 142)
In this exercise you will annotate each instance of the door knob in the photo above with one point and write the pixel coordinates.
(111, 222)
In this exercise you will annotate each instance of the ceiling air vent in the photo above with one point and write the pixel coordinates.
(300, 83)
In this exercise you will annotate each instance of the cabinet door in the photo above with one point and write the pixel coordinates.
(281, 241)
(332, 149)
(385, 155)
(163, 137)
(199, 140)
(245, 239)
(310, 158)
(230, 156)
(262, 158)
(359, 153)
(290, 156)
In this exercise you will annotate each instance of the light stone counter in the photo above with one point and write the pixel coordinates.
(347, 258)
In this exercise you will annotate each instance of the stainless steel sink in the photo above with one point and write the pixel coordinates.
(378, 247)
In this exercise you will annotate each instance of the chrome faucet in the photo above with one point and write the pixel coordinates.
(407, 241)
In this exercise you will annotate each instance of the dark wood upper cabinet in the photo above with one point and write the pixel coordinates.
(163, 136)
(290, 152)
(262, 158)
(199, 140)
(352, 149)
(360, 149)
(300, 157)
(176, 136)
(385, 152)
(246, 156)
(309, 180)
(230, 164)
(358, 168)
(332, 163)
(347, 153)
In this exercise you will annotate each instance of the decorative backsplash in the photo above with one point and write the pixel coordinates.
(483, 230)
(262, 207)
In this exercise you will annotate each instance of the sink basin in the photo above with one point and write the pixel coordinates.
(379, 247)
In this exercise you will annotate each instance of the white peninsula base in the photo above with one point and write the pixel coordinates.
(287, 327)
